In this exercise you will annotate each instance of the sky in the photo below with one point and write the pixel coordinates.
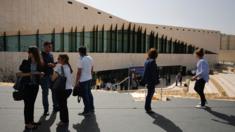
(204, 14)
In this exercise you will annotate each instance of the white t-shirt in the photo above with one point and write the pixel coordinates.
(85, 63)
(67, 74)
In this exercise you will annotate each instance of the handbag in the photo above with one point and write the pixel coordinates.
(60, 82)
(78, 91)
(18, 87)
(18, 95)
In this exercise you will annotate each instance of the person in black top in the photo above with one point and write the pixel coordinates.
(46, 81)
(31, 72)
(150, 77)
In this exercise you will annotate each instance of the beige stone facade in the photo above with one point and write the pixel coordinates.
(227, 48)
(46, 16)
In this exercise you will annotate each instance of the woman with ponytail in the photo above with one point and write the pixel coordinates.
(62, 96)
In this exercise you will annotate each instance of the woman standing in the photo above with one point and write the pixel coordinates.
(201, 77)
(31, 73)
(151, 77)
(62, 95)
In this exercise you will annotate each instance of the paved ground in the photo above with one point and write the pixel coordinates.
(117, 112)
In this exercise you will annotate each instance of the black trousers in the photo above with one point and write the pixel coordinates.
(30, 95)
(199, 88)
(148, 100)
(62, 97)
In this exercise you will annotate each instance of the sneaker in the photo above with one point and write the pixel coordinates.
(199, 106)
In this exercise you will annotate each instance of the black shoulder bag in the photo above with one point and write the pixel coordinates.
(60, 82)
(18, 93)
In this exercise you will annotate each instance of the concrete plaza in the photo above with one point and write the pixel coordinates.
(118, 112)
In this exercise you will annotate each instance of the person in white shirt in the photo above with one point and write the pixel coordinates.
(62, 96)
(84, 77)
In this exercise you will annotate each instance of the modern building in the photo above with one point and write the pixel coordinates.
(113, 42)
(227, 49)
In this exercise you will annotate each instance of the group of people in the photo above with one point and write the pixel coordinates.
(39, 69)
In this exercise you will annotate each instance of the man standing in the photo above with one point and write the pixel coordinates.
(46, 81)
(84, 77)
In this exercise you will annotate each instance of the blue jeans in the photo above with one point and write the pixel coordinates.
(46, 84)
(151, 90)
(87, 96)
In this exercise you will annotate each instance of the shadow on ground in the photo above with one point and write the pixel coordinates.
(88, 124)
(46, 124)
(165, 123)
(228, 119)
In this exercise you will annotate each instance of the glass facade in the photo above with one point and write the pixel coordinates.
(100, 41)
(26, 41)
(12, 43)
(119, 41)
(2, 43)
(58, 43)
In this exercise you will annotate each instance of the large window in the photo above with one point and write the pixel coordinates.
(100, 41)
(12, 43)
(156, 43)
(170, 46)
(139, 41)
(125, 42)
(73, 46)
(58, 42)
(106, 41)
(165, 45)
(67, 42)
(148, 42)
(130, 41)
(143, 45)
(151, 41)
(1, 43)
(114, 41)
(111, 41)
(79, 40)
(161, 45)
(26, 41)
(119, 41)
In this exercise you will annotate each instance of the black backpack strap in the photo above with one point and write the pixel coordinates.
(62, 71)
